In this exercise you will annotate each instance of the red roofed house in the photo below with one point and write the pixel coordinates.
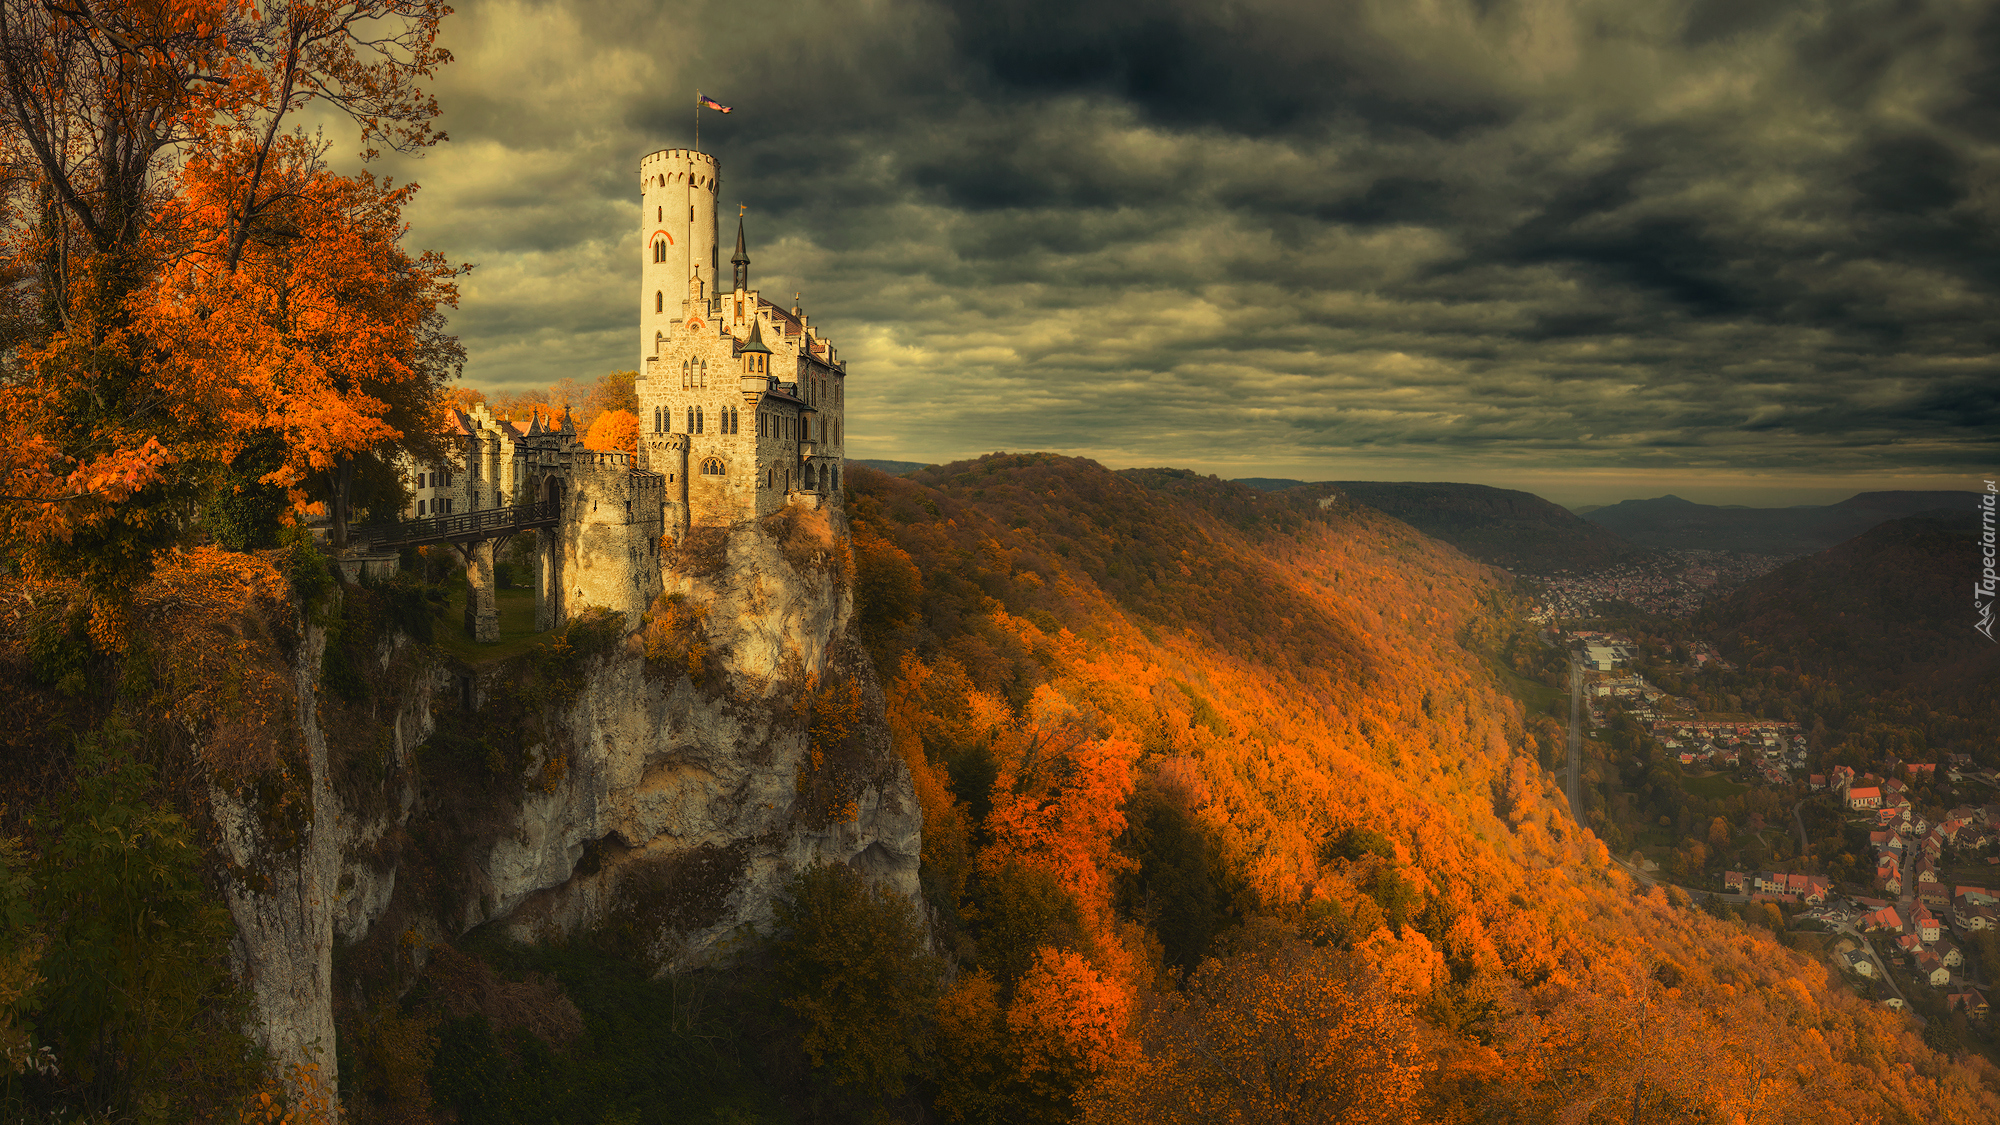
(1970, 1002)
(1883, 919)
(1931, 968)
(1927, 925)
(1864, 798)
(1817, 888)
(1733, 881)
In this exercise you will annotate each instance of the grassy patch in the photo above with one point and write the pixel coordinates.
(517, 627)
(1539, 698)
(1714, 786)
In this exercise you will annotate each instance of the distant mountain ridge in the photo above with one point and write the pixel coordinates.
(1501, 526)
(1671, 523)
(893, 468)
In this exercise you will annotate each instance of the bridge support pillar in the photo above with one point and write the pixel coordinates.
(548, 581)
(482, 615)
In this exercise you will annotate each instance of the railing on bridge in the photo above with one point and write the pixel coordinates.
(467, 527)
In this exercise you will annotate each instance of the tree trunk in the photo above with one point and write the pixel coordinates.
(343, 485)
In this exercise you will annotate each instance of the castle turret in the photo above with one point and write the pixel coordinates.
(756, 364)
(742, 259)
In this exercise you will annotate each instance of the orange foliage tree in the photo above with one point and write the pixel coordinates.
(106, 452)
(325, 334)
(614, 429)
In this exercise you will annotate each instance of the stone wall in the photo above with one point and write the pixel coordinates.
(614, 521)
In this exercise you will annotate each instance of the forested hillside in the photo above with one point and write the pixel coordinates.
(1875, 636)
(1225, 821)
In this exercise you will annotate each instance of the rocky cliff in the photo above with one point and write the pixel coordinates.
(663, 776)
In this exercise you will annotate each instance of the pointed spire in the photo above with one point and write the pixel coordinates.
(535, 427)
(756, 341)
(742, 259)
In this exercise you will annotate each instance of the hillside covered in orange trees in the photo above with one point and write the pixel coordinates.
(1225, 821)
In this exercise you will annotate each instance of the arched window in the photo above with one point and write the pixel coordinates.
(659, 214)
(704, 373)
(836, 479)
(712, 467)
(659, 302)
(690, 428)
(684, 374)
(735, 420)
(697, 419)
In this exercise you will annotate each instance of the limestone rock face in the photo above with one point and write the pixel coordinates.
(675, 785)
(296, 891)
(681, 803)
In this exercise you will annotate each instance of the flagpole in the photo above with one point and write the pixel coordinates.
(697, 119)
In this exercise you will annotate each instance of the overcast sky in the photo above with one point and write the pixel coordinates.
(1739, 250)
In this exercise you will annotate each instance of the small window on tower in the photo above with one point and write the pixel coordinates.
(659, 302)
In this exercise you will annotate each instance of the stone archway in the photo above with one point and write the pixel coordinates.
(548, 557)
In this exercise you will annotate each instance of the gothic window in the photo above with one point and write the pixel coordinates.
(660, 214)
(660, 250)
(690, 419)
(697, 419)
(836, 479)
(659, 301)
(684, 374)
(735, 420)
(711, 467)
(704, 373)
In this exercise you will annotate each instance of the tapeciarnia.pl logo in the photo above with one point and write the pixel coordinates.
(1983, 590)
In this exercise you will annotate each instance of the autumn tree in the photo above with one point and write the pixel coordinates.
(105, 445)
(849, 962)
(614, 429)
(326, 335)
(1277, 1030)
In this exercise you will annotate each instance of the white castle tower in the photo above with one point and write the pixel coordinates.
(677, 193)
(741, 402)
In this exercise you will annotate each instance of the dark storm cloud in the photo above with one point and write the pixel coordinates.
(1276, 235)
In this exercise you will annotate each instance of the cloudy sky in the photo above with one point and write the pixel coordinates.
(1740, 250)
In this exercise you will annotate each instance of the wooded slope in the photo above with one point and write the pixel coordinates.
(1226, 821)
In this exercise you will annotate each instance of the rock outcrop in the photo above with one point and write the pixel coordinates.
(668, 781)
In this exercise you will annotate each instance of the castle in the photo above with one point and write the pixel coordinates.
(740, 413)
(740, 401)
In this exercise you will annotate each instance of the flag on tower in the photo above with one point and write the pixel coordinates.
(707, 102)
